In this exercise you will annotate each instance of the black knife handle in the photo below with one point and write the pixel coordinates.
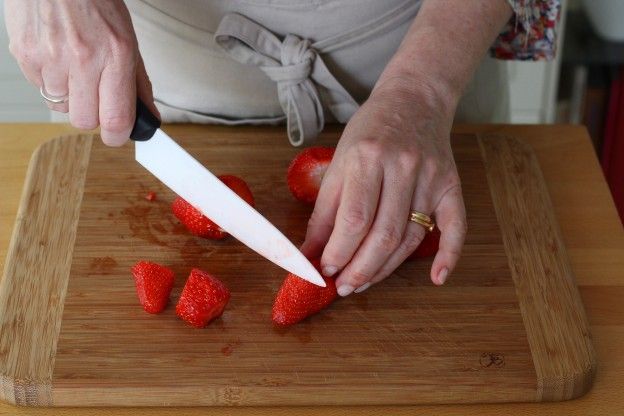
(145, 124)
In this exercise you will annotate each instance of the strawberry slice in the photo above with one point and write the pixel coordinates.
(153, 285)
(202, 226)
(239, 186)
(306, 172)
(297, 299)
(203, 299)
(428, 246)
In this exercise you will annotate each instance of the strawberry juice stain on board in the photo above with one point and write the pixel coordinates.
(301, 331)
(193, 251)
(229, 348)
(150, 220)
(139, 224)
(160, 228)
(102, 265)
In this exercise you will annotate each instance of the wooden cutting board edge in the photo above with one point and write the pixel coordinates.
(28, 334)
(534, 246)
(29, 381)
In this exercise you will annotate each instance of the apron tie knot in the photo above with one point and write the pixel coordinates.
(303, 81)
(296, 58)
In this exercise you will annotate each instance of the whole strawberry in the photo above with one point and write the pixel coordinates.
(203, 299)
(202, 226)
(153, 285)
(428, 246)
(297, 299)
(306, 172)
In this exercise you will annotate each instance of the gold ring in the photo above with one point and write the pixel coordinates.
(422, 219)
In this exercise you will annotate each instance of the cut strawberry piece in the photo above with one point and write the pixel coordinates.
(297, 299)
(151, 196)
(428, 246)
(203, 299)
(306, 172)
(194, 221)
(153, 285)
(202, 226)
(239, 186)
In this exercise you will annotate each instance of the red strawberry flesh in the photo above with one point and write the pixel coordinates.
(297, 299)
(153, 285)
(306, 172)
(202, 226)
(203, 299)
(428, 246)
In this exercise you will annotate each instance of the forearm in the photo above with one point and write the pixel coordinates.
(444, 46)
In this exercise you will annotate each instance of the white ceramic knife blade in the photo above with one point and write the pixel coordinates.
(177, 169)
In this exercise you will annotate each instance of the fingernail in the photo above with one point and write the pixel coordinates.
(329, 271)
(443, 275)
(345, 290)
(362, 288)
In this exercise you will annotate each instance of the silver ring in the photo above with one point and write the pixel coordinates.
(52, 99)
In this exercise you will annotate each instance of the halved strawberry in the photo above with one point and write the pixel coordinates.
(428, 247)
(297, 299)
(306, 172)
(199, 224)
(203, 299)
(153, 285)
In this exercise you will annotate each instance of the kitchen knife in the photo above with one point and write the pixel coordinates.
(188, 178)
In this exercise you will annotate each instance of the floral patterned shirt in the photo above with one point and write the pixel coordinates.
(531, 32)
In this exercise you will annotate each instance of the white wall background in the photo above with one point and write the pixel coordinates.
(532, 89)
(19, 101)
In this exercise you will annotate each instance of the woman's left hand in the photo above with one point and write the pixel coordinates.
(393, 157)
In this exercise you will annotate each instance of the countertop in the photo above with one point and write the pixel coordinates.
(592, 231)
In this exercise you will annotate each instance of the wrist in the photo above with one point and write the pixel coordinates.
(406, 86)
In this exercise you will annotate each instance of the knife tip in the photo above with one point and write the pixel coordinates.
(316, 278)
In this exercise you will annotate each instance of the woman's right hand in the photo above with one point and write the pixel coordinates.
(86, 50)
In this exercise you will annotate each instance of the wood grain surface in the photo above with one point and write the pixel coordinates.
(402, 342)
(595, 247)
(35, 279)
(551, 307)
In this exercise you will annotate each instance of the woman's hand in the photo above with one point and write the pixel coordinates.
(394, 157)
(85, 50)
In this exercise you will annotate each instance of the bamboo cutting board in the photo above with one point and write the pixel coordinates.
(509, 325)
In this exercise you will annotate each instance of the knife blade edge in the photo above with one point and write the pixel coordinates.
(185, 176)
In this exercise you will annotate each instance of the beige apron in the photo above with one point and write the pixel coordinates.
(267, 61)
(303, 62)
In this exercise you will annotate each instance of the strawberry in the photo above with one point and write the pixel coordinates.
(297, 299)
(199, 224)
(428, 246)
(153, 285)
(239, 186)
(203, 299)
(306, 172)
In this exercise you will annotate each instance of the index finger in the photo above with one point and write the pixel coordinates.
(118, 97)
(450, 216)
(355, 214)
(321, 221)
